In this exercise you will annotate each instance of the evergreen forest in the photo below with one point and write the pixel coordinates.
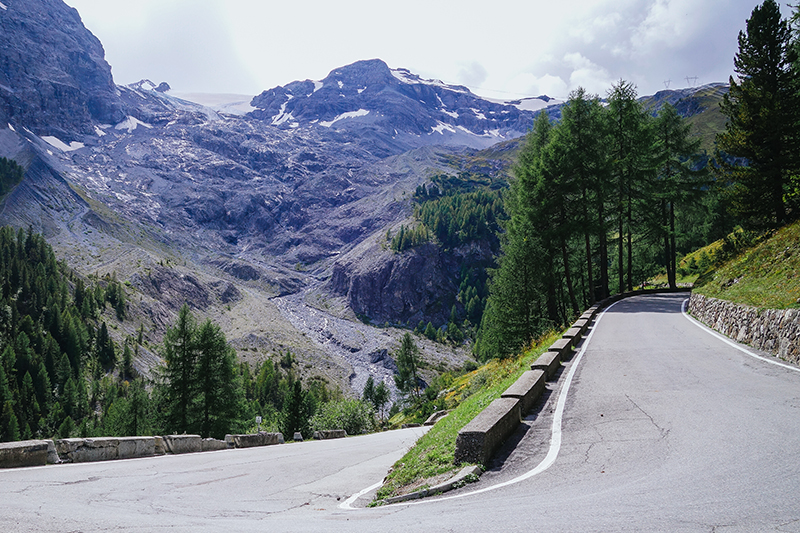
(612, 195)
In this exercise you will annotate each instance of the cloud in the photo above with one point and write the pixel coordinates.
(587, 74)
(473, 74)
(529, 47)
(531, 85)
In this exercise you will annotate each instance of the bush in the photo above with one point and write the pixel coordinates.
(353, 416)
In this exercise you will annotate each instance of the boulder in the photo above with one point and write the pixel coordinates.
(548, 362)
(160, 447)
(435, 417)
(88, 450)
(130, 447)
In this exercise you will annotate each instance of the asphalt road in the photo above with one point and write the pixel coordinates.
(665, 428)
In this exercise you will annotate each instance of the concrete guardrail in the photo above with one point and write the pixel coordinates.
(254, 439)
(478, 441)
(548, 362)
(24, 453)
(527, 389)
(326, 434)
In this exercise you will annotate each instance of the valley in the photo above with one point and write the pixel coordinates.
(270, 218)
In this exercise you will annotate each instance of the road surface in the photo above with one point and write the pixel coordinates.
(664, 427)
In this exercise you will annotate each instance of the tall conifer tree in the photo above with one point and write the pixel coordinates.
(763, 111)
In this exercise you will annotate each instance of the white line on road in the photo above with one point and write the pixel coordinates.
(552, 452)
(728, 341)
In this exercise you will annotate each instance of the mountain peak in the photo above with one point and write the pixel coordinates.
(55, 79)
(395, 108)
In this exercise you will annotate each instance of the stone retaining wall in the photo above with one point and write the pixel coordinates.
(771, 330)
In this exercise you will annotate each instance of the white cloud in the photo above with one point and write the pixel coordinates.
(245, 46)
(529, 84)
(587, 74)
(472, 74)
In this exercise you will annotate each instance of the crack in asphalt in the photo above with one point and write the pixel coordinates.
(664, 432)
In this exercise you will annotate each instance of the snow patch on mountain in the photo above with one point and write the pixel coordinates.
(349, 114)
(478, 114)
(405, 76)
(532, 104)
(131, 123)
(55, 142)
(441, 127)
(282, 115)
(231, 104)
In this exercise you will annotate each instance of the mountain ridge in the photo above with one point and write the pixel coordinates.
(279, 213)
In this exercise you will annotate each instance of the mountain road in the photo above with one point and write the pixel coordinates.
(656, 425)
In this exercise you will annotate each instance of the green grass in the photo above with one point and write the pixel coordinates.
(433, 455)
(766, 276)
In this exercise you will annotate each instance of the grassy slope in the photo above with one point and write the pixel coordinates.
(765, 276)
(708, 123)
(431, 459)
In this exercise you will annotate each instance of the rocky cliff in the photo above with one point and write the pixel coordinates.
(53, 75)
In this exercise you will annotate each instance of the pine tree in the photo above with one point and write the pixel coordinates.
(381, 398)
(218, 394)
(296, 412)
(368, 395)
(631, 149)
(675, 183)
(106, 354)
(9, 425)
(180, 356)
(763, 112)
(407, 359)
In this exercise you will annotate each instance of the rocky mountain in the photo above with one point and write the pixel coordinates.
(392, 110)
(272, 222)
(53, 74)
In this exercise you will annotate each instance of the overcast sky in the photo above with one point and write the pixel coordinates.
(502, 48)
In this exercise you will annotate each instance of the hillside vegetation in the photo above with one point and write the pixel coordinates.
(764, 275)
(431, 460)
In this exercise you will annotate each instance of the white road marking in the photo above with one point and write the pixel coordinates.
(552, 452)
(726, 340)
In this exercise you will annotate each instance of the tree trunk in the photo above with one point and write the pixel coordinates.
(601, 230)
(568, 277)
(589, 265)
(630, 242)
(672, 248)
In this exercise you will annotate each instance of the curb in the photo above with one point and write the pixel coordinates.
(454, 482)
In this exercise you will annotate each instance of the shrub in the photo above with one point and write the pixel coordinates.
(353, 416)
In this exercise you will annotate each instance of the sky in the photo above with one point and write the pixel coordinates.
(502, 49)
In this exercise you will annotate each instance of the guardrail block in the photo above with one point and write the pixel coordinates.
(330, 434)
(478, 440)
(254, 439)
(183, 443)
(548, 362)
(23, 453)
(528, 388)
